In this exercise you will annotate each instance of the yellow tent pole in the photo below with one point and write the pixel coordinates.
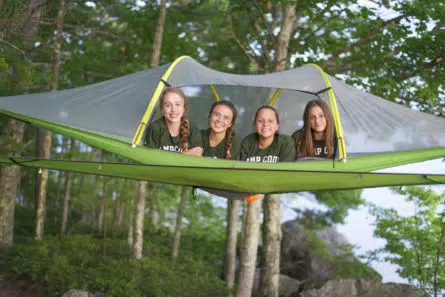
(154, 99)
(335, 114)
(275, 96)
(215, 93)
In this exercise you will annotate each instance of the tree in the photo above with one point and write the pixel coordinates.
(44, 137)
(139, 221)
(14, 130)
(67, 193)
(416, 243)
(179, 215)
(249, 246)
(231, 232)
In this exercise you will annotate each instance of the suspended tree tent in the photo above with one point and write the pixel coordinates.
(373, 133)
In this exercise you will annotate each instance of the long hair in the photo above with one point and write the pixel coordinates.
(184, 128)
(304, 138)
(231, 130)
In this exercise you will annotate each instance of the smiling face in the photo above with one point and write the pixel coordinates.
(220, 119)
(317, 120)
(266, 123)
(173, 107)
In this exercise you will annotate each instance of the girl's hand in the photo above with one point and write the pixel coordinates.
(196, 151)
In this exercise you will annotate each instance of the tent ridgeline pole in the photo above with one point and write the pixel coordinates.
(215, 93)
(153, 100)
(275, 96)
(335, 114)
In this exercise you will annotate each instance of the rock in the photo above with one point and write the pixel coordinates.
(359, 288)
(77, 293)
(287, 286)
(310, 254)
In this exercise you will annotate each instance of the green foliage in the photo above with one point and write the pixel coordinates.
(338, 202)
(78, 262)
(416, 242)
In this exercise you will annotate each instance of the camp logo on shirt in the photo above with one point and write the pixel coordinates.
(265, 159)
(321, 151)
(171, 148)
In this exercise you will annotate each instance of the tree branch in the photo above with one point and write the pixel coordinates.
(16, 48)
(363, 40)
(251, 59)
(426, 66)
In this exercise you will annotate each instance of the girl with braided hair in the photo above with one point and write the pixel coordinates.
(317, 137)
(219, 140)
(173, 131)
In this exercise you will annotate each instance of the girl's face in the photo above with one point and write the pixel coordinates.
(173, 107)
(266, 123)
(317, 119)
(220, 119)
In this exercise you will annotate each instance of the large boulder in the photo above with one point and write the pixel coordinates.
(287, 287)
(77, 293)
(310, 253)
(359, 288)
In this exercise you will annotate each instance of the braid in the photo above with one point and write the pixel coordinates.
(229, 138)
(184, 132)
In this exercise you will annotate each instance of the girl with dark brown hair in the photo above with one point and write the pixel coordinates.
(173, 131)
(219, 140)
(266, 144)
(317, 137)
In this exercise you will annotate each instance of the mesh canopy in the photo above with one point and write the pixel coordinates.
(114, 108)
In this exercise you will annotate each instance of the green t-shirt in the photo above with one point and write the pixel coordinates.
(158, 136)
(282, 149)
(320, 148)
(219, 151)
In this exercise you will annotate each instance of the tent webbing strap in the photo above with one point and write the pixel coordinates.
(215, 93)
(275, 96)
(153, 100)
(335, 113)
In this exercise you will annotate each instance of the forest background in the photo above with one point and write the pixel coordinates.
(393, 49)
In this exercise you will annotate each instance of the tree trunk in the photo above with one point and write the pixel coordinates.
(157, 44)
(177, 235)
(9, 179)
(249, 249)
(139, 221)
(66, 198)
(232, 218)
(14, 130)
(130, 230)
(67, 194)
(270, 271)
(45, 137)
(287, 29)
(101, 216)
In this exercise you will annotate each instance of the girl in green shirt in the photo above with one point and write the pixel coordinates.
(317, 137)
(219, 140)
(173, 131)
(266, 144)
